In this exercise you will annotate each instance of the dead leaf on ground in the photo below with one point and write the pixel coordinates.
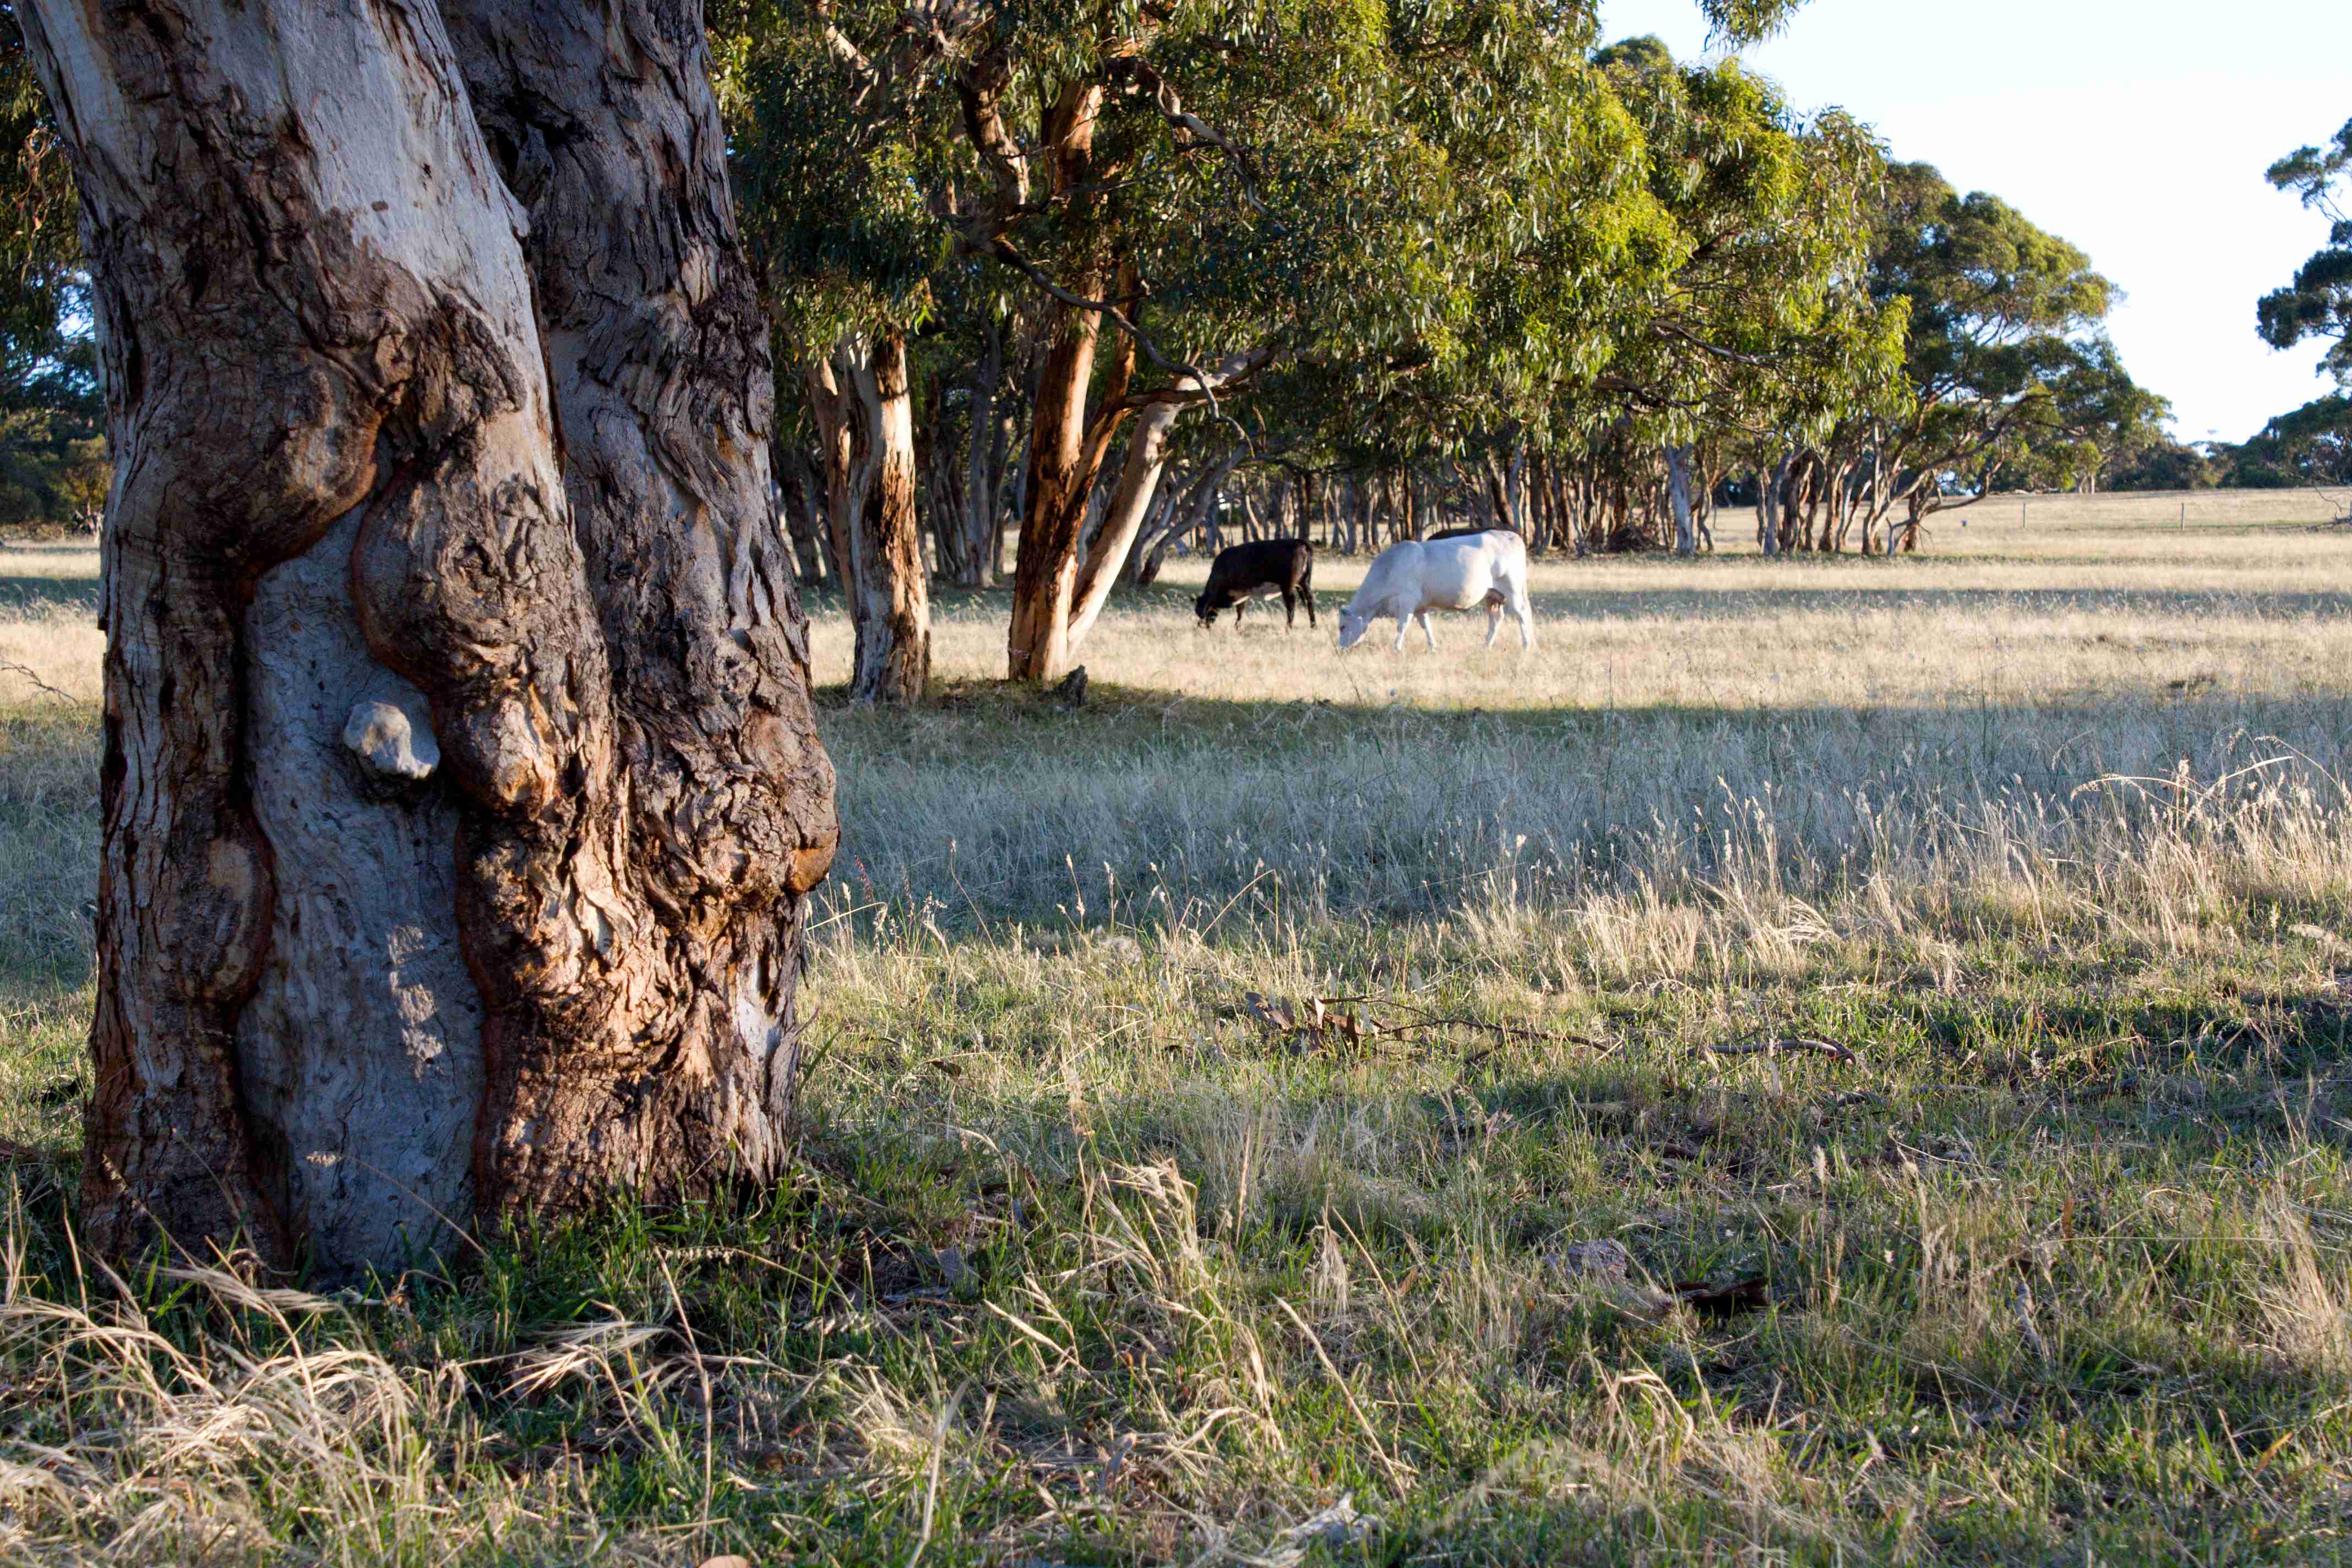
(1318, 1022)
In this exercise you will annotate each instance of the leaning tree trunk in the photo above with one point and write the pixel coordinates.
(460, 791)
(1131, 503)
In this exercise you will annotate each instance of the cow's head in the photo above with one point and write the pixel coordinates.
(1353, 624)
(1206, 610)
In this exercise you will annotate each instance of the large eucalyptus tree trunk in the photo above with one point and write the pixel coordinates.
(1066, 449)
(1065, 455)
(460, 791)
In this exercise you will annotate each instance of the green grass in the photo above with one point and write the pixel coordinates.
(1088, 1264)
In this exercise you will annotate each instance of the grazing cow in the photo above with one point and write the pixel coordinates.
(1468, 533)
(1409, 579)
(1271, 567)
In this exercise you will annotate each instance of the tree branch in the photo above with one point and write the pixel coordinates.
(1188, 128)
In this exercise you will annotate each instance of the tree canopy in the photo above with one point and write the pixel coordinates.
(1332, 237)
(52, 453)
(2317, 305)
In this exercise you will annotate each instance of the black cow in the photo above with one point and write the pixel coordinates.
(1246, 571)
(1466, 532)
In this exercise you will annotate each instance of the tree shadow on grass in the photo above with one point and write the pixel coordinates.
(1566, 603)
(1694, 596)
(27, 595)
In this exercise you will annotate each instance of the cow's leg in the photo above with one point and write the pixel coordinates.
(1428, 631)
(1524, 609)
(1494, 622)
(1404, 624)
(1306, 592)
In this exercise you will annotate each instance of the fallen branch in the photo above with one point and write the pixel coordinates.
(1324, 1020)
(1792, 1047)
(1500, 1031)
(8, 667)
(1506, 1032)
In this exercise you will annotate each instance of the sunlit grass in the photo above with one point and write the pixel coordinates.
(1088, 1263)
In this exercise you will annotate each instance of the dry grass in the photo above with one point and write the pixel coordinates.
(2251, 599)
(1088, 1264)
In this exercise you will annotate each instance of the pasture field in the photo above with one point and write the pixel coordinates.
(1103, 1252)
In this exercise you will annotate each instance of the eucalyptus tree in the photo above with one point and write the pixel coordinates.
(1693, 280)
(1194, 191)
(2308, 446)
(1222, 185)
(2003, 353)
(1759, 330)
(2319, 303)
(835, 170)
(460, 793)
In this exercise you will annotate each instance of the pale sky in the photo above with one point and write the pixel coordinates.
(2136, 129)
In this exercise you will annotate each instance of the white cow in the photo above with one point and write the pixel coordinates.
(1411, 578)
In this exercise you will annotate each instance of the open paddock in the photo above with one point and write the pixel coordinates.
(1095, 1261)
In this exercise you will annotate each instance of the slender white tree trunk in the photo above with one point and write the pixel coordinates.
(1678, 495)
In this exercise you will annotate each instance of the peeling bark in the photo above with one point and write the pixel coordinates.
(1066, 452)
(1044, 570)
(889, 592)
(859, 398)
(348, 997)
(721, 815)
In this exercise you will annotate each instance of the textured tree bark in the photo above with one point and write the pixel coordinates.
(833, 408)
(1045, 570)
(460, 793)
(673, 1053)
(1066, 452)
(859, 399)
(889, 592)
